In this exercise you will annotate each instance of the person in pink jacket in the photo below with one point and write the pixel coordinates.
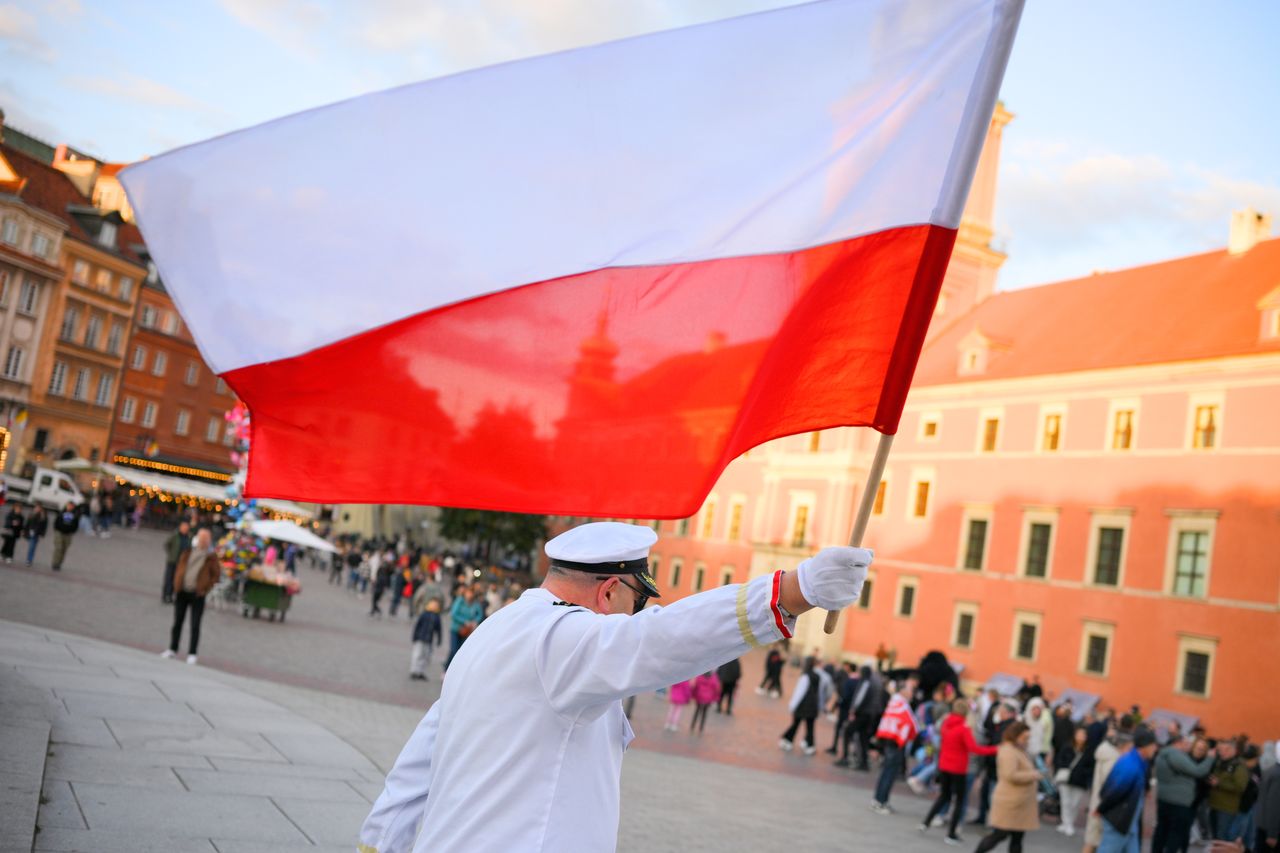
(706, 691)
(678, 695)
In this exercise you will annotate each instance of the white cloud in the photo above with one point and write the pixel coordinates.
(20, 34)
(292, 24)
(139, 90)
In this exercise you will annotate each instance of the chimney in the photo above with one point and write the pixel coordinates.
(1248, 228)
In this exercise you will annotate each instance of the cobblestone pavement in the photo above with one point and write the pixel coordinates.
(324, 665)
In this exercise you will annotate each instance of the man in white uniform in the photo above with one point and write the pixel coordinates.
(523, 750)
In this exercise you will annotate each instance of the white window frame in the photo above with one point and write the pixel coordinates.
(975, 512)
(182, 422)
(80, 271)
(964, 608)
(929, 417)
(41, 245)
(70, 322)
(149, 413)
(864, 600)
(1203, 645)
(107, 235)
(1208, 398)
(171, 323)
(1046, 411)
(147, 317)
(58, 379)
(160, 363)
(707, 514)
(222, 386)
(6, 285)
(1038, 515)
(884, 504)
(115, 337)
(990, 413)
(1026, 617)
(103, 280)
(1092, 628)
(699, 576)
(80, 387)
(737, 504)
(92, 330)
(14, 361)
(10, 233)
(212, 429)
(1113, 408)
(192, 376)
(105, 395)
(138, 359)
(28, 297)
(673, 573)
(1099, 518)
(905, 581)
(229, 439)
(128, 408)
(918, 476)
(1189, 521)
(124, 288)
(799, 499)
(726, 574)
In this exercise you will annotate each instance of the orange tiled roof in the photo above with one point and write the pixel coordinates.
(1197, 307)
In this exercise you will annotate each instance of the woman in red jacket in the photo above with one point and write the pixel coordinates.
(953, 766)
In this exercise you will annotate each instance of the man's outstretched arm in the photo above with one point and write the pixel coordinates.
(393, 824)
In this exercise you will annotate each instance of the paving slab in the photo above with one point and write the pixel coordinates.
(327, 750)
(184, 814)
(56, 840)
(113, 706)
(82, 731)
(264, 785)
(58, 807)
(291, 771)
(98, 681)
(326, 823)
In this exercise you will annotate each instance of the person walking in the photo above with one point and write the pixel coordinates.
(1014, 810)
(95, 512)
(729, 674)
(381, 583)
(177, 542)
(997, 720)
(807, 698)
(14, 524)
(196, 573)
(898, 728)
(678, 695)
(523, 751)
(772, 683)
(1178, 769)
(1040, 723)
(1123, 794)
(464, 617)
(868, 704)
(1073, 786)
(956, 745)
(706, 690)
(843, 733)
(37, 528)
(426, 635)
(64, 527)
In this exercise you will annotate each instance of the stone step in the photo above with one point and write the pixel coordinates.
(24, 743)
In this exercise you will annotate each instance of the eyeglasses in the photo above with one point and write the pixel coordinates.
(642, 597)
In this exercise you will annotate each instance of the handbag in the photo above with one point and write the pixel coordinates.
(466, 629)
(1063, 774)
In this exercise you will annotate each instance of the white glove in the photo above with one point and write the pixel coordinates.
(832, 579)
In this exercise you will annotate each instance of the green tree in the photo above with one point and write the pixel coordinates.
(493, 533)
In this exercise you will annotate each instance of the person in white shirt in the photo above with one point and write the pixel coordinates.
(523, 751)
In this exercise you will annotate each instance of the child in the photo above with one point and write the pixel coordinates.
(706, 690)
(426, 633)
(678, 696)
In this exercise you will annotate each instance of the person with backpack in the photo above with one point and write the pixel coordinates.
(868, 705)
(807, 699)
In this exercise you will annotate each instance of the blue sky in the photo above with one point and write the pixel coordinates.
(1140, 125)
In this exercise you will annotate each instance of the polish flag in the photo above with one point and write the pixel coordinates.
(583, 283)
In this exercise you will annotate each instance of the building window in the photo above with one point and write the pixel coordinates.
(80, 390)
(222, 385)
(1095, 648)
(10, 233)
(80, 272)
(193, 373)
(172, 323)
(70, 319)
(966, 619)
(726, 575)
(147, 319)
(1204, 434)
(1195, 666)
(920, 505)
(127, 410)
(735, 521)
(1106, 564)
(41, 442)
(4, 288)
(1122, 429)
(1026, 636)
(149, 415)
(103, 280)
(682, 527)
(211, 431)
(906, 597)
(800, 526)
(105, 383)
(229, 439)
(699, 576)
(990, 434)
(929, 426)
(1039, 535)
(676, 565)
(13, 362)
(1051, 432)
(864, 597)
(58, 378)
(124, 288)
(815, 442)
(1191, 562)
(107, 235)
(159, 365)
(877, 508)
(183, 422)
(975, 544)
(40, 245)
(114, 338)
(139, 360)
(28, 297)
(91, 331)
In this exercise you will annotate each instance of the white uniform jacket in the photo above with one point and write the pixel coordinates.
(523, 750)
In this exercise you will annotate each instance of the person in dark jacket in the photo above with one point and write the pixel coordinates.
(1229, 778)
(37, 527)
(1123, 794)
(14, 523)
(196, 574)
(427, 634)
(868, 703)
(729, 674)
(64, 527)
(772, 683)
(1269, 808)
(847, 689)
(178, 541)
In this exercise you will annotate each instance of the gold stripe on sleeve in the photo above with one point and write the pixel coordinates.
(744, 624)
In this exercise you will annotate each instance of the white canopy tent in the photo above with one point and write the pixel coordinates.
(287, 531)
(194, 488)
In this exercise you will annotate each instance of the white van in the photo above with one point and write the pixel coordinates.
(49, 488)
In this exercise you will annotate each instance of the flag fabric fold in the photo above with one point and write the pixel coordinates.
(583, 283)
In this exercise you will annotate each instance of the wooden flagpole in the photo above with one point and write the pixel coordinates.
(864, 510)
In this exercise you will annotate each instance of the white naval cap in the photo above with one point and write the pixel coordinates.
(607, 548)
